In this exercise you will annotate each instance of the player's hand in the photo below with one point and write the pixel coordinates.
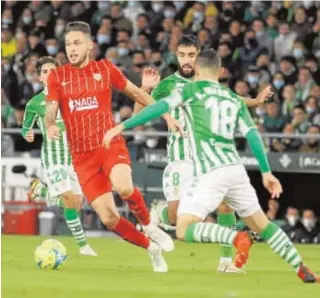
(150, 79)
(174, 125)
(54, 132)
(264, 95)
(30, 136)
(272, 184)
(110, 134)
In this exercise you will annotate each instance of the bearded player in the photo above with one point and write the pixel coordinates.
(179, 170)
(82, 90)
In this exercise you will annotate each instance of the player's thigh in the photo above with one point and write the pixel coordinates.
(175, 177)
(74, 180)
(257, 221)
(203, 194)
(183, 221)
(106, 209)
(241, 196)
(117, 166)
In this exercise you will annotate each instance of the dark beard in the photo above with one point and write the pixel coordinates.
(185, 75)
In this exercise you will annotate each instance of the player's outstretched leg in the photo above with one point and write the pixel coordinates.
(227, 218)
(280, 243)
(107, 211)
(190, 229)
(122, 183)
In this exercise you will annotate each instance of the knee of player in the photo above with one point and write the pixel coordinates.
(70, 200)
(124, 191)
(224, 208)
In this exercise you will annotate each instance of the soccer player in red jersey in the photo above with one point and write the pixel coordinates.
(82, 91)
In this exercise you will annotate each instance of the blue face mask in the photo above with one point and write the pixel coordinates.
(123, 51)
(253, 80)
(297, 53)
(103, 39)
(169, 13)
(278, 84)
(52, 50)
(36, 86)
(179, 4)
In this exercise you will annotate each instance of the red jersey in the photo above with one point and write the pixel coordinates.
(84, 96)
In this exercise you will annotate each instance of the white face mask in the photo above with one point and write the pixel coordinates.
(198, 15)
(169, 13)
(59, 29)
(152, 143)
(156, 7)
(308, 223)
(179, 4)
(36, 87)
(292, 220)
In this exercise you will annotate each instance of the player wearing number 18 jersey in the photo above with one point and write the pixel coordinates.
(213, 114)
(82, 90)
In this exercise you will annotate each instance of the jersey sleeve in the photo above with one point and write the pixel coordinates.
(117, 78)
(245, 122)
(29, 117)
(163, 90)
(53, 87)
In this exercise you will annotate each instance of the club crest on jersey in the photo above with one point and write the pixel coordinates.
(82, 104)
(97, 76)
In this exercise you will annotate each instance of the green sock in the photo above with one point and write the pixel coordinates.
(75, 226)
(282, 245)
(43, 191)
(163, 214)
(226, 220)
(206, 232)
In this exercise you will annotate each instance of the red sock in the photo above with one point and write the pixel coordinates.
(138, 207)
(127, 231)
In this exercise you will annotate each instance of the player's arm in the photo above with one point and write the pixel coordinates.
(29, 119)
(147, 114)
(248, 129)
(52, 106)
(264, 95)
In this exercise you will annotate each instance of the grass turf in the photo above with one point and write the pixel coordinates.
(123, 271)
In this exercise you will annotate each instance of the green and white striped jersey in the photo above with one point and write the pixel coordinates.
(53, 152)
(177, 148)
(212, 113)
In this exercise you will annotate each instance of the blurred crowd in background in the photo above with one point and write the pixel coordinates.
(260, 42)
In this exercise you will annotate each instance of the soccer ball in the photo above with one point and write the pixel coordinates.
(51, 254)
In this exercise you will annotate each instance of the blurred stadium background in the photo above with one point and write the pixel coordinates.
(260, 43)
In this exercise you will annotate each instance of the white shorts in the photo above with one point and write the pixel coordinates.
(176, 175)
(61, 179)
(231, 184)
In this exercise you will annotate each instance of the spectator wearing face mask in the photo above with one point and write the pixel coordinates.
(312, 107)
(312, 145)
(309, 232)
(227, 14)
(289, 100)
(194, 17)
(312, 63)
(304, 84)
(26, 21)
(253, 79)
(284, 42)
(286, 144)
(52, 46)
(123, 53)
(299, 52)
(299, 119)
(278, 83)
(251, 49)
(288, 69)
(291, 222)
(103, 10)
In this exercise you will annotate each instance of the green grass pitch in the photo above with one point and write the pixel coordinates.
(123, 271)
